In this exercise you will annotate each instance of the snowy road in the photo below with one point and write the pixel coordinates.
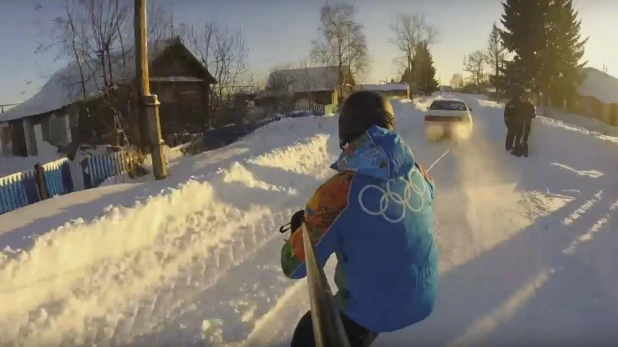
(526, 244)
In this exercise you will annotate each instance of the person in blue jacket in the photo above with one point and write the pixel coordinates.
(376, 215)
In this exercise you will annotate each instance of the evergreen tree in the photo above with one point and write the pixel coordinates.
(565, 49)
(524, 35)
(405, 76)
(425, 76)
(544, 35)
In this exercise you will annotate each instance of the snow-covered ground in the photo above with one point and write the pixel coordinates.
(10, 164)
(584, 122)
(527, 244)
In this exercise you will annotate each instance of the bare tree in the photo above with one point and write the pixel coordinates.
(475, 63)
(342, 43)
(97, 36)
(279, 86)
(457, 81)
(410, 31)
(307, 80)
(259, 82)
(224, 54)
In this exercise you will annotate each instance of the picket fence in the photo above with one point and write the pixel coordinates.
(317, 108)
(98, 168)
(17, 190)
(22, 188)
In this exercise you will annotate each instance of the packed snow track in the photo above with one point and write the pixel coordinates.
(528, 245)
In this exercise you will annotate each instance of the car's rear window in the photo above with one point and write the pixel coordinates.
(448, 105)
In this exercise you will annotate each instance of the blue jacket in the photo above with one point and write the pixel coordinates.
(376, 215)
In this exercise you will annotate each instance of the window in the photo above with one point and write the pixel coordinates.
(448, 105)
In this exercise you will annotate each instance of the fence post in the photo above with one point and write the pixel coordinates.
(39, 176)
(67, 177)
(86, 172)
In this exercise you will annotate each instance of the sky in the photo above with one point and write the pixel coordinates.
(280, 31)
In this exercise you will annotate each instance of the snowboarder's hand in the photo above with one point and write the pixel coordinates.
(295, 222)
(424, 172)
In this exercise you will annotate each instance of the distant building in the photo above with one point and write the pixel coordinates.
(177, 77)
(597, 97)
(313, 85)
(390, 90)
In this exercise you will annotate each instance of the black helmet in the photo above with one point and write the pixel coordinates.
(360, 111)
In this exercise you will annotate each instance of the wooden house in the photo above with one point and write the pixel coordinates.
(313, 85)
(100, 108)
(597, 97)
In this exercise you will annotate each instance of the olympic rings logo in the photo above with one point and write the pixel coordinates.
(389, 196)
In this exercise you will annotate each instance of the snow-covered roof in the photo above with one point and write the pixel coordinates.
(599, 85)
(383, 87)
(304, 80)
(64, 86)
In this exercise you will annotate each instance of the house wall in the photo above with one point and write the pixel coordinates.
(5, 138)
(404, 94)
(29, 136)
(591, 107)
(18, 141)
(320, 97)
(184, 106)
(613, 114)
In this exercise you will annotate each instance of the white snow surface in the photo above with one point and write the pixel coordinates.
(528, 246)
(10, 164)
(583, 121)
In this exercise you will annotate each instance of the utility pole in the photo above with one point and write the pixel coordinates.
(150, 127)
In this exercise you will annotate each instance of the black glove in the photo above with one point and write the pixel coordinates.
(295, 222)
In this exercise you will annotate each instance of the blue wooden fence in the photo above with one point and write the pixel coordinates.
(98, 168)
(58, 180)
(317, 108)
(20, 189)
(17, 190)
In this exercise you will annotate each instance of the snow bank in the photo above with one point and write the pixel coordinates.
(96, 272)
(580, 121)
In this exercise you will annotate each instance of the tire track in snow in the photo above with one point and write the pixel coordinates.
(244, 281)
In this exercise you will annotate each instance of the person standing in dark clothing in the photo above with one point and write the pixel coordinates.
(518, 115)
(513, 122)
(528, 113)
